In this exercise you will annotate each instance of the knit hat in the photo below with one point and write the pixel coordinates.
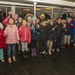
(34, 18)
(42, 15)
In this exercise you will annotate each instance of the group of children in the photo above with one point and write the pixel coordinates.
(50, 34)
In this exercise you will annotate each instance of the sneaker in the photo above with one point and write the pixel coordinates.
(58, 50)
(9, 60)
(14, 59)
(2, 60)
(43, 52)
(50, 53)
(53, 50)
(74, 45)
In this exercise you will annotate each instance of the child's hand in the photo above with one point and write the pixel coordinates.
(38, 26)
(18, 42)
(9, 12)
(53, 29)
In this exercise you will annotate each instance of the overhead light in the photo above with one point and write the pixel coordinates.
(38, 8)
(48, 9)
(26, 9)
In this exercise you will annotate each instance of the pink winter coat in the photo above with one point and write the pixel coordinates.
(5, 21)
(25, 34)
(11, 33)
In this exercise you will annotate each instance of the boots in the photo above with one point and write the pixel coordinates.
(35, 52)
(24, 55)
(27, 55)
(32, 52)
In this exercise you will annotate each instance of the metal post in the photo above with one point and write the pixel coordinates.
(52, 13)
(35, 3)
(13, 10)
(6, 11)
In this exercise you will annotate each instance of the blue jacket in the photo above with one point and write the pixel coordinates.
(34, 34)
(73, 29)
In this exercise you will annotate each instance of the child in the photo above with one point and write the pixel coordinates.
(68, 32)
(19, 23)
(12, 37)
(51, 36)
(25, 37)
(59, 32)
(2, 43)
(43, 30)
(34, 37)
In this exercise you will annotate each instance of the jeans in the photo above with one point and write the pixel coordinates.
(11, 50)
(1, 54)
(43, 44)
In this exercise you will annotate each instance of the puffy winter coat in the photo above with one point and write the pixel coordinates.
(51, 33)
(25, 34)
(12, 34)
(2, 40)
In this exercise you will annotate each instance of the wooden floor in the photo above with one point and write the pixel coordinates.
(62, 63)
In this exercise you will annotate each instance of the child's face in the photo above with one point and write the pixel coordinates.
(24, 22)
(29, 19)
(20, 20)
(69, 20)
(11, 21)
(59, 21)
(44, 23)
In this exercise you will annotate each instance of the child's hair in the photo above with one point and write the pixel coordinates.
(20, 17)
(12, 19)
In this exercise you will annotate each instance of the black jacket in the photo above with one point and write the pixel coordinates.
(43, 30)
(51, 33)
(59, 30)
(69, 29)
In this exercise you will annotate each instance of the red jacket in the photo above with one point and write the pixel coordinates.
(25, 34)
(2, 40)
